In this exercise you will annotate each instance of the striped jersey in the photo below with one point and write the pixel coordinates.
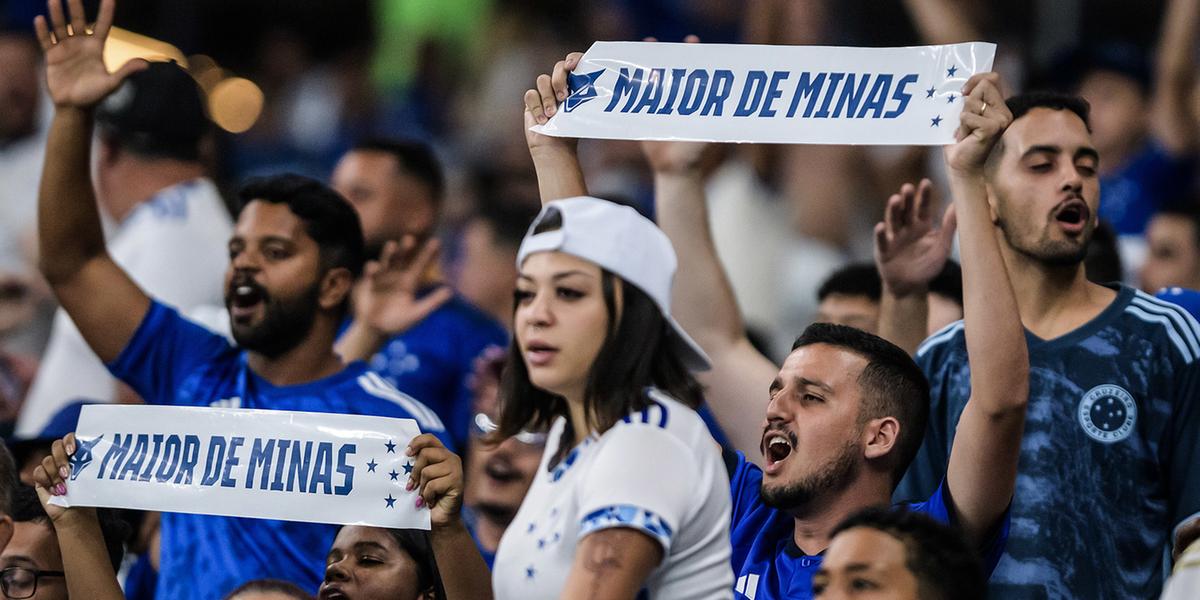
(171, 360)
(1110, 460)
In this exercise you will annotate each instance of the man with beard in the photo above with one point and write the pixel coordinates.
(1108, 462)
(296, 249)
(847, 411)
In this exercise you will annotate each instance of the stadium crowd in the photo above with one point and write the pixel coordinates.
(674, 370)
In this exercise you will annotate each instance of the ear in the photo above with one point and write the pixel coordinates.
(991, 200)
(335, 287)
(6, 531)
(880, 436)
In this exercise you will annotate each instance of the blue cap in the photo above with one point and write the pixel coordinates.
(1188, 299)
(63, 422)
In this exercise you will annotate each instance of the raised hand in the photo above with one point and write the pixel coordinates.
(542, 102)
(909, 251)
(437, 476)
(386, 297)
(675, 157)
(984, 118)
(75, 71)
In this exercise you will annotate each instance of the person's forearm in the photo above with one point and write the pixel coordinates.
(941, 22)
(704, 302)
(995, 336)
(465, 575)
(558, 173)
(1172, 122)
(69, 232)
(904, 319)
(85, 558)
(359, 342)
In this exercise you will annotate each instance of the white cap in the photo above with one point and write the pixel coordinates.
(624, 243)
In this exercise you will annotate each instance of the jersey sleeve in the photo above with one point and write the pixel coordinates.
(1183, 447)
(745, 480)
(644, 479)
(165, 348)
(940, 508)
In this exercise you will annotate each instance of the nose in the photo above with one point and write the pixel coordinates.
(1072, 179)
(334, 571)
(538, 312)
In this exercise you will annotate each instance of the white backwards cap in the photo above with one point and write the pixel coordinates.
(624, 243)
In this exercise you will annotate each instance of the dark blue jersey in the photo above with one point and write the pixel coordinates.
(1110, 460)
(171, 360)
(767, 563)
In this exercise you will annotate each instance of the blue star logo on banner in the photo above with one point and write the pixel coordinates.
(394, 475)
(583, 89)
(936, 121)
(391, 447)
(950, 100)
(391, 502)
(951, 71)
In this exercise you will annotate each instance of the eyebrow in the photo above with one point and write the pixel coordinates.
(806, 382)
(369, 545)
(1084, 151)
(558, 276)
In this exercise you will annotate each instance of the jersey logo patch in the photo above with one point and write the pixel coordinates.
(1107, 413)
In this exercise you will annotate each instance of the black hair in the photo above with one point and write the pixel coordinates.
(948, 282)
(8, 480)
(508, 222)
(938, 556)
(1021, 104)
(892, 385)
(328, 218)
(857, 279)
(267, 586)
(636, 355)
(416, 544)
(1102, 263)
(414, 158)
(27, 508)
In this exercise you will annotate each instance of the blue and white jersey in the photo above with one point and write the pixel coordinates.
(659, 472)
(768, 563)
(1110, 461)
(171, 360)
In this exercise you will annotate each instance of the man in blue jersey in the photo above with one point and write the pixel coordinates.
(1112, 443)
(847, 410)
(296, 249)
(397, 188)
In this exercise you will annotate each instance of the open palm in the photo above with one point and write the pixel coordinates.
(909, 250)
(75, 71)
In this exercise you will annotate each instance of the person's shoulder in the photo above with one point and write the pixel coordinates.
(378, 395)
(944, 341)
(667, 417)
(1168, 325)
(460, 314)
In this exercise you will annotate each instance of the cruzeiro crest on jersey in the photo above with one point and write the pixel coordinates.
(1107, 413)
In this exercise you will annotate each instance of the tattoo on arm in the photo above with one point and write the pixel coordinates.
(602, 560)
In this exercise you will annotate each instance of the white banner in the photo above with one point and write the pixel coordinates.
(772, 94)
(269, 464)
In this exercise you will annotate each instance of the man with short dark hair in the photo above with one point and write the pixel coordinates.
(296, 250)
(899, 554)
(396, 187)
(32, 565)
(853, 294)
(171, 224)
(1113, 434)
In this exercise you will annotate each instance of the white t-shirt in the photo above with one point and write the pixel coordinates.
(657, 471)
(174, 246)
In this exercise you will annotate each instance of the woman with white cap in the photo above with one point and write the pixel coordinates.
(632, 495)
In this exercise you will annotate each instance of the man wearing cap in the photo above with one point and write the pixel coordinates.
(170, 225)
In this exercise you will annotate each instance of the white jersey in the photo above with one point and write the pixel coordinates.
(657, 471)
(174, 247)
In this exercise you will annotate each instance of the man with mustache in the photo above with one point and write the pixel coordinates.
(296, 248)
(1111, 448)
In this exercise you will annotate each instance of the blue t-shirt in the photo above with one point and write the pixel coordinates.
(171, 360)
(1110, 460)
(1149, 180)
(434, 361)
(766, 560)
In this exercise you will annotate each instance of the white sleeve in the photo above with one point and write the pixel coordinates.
(641, 479)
